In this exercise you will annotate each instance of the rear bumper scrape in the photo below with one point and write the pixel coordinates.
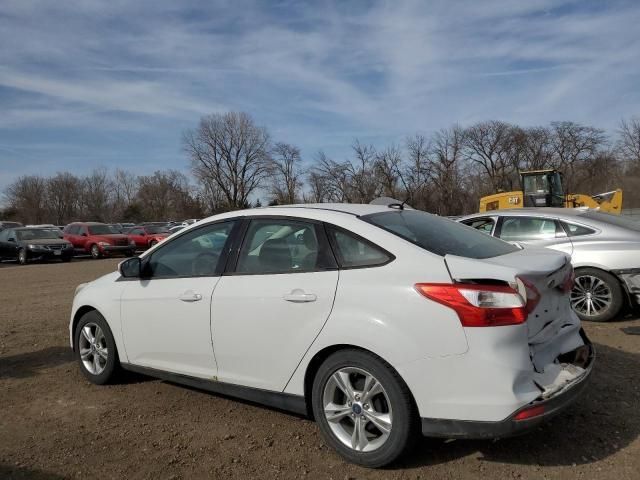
(466, 429)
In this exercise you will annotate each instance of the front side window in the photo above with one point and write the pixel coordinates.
(516, 229)
(283, 246)
(136, 231)
(195, 254)
(354, 251)
(438, 235)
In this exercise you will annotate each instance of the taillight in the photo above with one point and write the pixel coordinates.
(530, 412)
(478, 305)
(529, 293)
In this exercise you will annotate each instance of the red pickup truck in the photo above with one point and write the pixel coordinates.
(97, 239)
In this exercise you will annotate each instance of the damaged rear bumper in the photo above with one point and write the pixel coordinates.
(520, 421)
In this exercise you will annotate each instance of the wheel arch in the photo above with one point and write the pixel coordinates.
(320, 356)
(76, 318)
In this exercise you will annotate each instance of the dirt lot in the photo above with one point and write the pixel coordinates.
(54, 424)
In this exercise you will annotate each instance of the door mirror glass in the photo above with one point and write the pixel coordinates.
(84, 234)
(11, 239)
(130, 268)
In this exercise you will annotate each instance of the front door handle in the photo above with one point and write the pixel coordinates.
(298, 296)
(190, 296)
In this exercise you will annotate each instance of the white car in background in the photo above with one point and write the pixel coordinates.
(379, 321)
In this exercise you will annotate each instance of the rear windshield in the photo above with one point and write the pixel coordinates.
(440, 235)
(617, 220)
(102, 230)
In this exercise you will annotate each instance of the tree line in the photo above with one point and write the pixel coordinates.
(234, 162)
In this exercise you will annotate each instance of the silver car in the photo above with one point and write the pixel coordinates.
(604, 249)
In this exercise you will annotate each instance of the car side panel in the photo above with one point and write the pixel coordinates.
(379, 310)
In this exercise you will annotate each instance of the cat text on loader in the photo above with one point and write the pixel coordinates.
(543, 188)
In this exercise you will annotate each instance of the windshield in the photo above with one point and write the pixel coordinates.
(37, 234)
(155, 230)
(617, 220)
(440, 235)
(536, 184)
(102, 230)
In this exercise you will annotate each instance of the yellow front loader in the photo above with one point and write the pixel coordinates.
(543, 188)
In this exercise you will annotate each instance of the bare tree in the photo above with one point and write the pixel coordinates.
(388, 168)
(361, 173)
(445, 159)
(231, 151)
(489, 145)
(27, 196)
(63, 193)
(572, 144)
(417, 171)
(331, 180)
(286, 174)
(164, 194)
(532, 148)
(629, 141)
(96, 196)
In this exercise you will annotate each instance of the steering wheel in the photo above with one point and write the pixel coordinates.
(204, 264)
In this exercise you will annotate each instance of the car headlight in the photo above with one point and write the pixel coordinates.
(79, 287)
(32, 246)
(132, 242)
(104, 244)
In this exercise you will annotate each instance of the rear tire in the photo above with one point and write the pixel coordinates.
(372, 427)
(596, 295)
(95, 251)
(95, 349)
(22, 257)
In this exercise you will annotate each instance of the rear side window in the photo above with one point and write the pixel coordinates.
(519, 228)
(574, 230)
(484, 225)
(354, 251)
(439, 235)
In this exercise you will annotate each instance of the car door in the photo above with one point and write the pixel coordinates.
(166, 314)
(535, 231)
(8, 249)
(267, 311)
(136, 234)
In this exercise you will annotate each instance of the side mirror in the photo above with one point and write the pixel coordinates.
(11, 239)
(84, 234)
(130, 268)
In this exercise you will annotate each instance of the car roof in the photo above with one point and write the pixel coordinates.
(357, 209)
(554, 211)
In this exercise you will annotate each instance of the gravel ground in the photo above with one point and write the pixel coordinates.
(54, 424)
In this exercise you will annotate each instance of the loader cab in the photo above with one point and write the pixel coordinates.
(542, 188)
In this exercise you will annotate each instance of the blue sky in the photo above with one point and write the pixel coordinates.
(115, 83)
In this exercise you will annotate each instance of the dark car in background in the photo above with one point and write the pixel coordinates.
(97, 239)
(25, 244)
(4, 225)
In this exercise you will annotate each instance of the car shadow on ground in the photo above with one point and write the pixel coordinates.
(15, 472)
(29, 363)
(601, 422)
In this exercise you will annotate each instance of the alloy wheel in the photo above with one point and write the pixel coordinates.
(93, 348)
(590, 296)
(357, 409)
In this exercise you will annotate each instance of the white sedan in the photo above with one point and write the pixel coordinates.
(378, 321)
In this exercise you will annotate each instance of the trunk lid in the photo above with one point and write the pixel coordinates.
(552, 326)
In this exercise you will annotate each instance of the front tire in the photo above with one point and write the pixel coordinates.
(152, 243)
(596, 295)
(95, 251)
(363, 408)
(96, 349)
(22, 256)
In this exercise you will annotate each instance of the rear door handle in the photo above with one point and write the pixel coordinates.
(190, 296)
(298, 296)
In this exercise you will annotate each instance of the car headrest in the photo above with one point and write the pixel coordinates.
(275, 255)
